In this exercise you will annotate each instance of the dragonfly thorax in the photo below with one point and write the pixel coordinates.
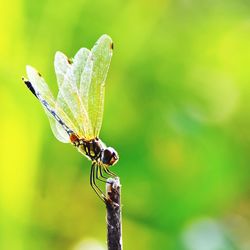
(96, 150)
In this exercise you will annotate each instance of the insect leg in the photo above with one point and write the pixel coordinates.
(93, 184)
(107, 171)
(99, 176)
(101, 173)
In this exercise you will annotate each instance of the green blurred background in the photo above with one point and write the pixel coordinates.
(177, 110)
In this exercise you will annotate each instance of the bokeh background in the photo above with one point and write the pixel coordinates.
(177, 110)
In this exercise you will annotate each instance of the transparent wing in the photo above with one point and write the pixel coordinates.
(85, 82)
(61, 105)
(79, 62)
(45, 96)
(101, 57)
(68, 97)
(62, 65)
(57, 129)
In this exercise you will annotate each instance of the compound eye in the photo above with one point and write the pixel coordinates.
(107, 155)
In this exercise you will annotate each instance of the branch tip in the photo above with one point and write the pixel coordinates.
(113, 188)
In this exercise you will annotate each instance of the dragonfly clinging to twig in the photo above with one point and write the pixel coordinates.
(76, 114)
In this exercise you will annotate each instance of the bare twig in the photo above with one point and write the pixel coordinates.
(113, 206)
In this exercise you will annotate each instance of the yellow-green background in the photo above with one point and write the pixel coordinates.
(177, 110)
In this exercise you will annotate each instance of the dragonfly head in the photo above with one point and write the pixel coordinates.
(109, 156)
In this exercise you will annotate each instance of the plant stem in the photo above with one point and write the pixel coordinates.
(113, 205)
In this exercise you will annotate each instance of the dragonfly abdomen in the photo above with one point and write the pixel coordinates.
(47, 106)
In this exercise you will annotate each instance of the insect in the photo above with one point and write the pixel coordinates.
(76, 114)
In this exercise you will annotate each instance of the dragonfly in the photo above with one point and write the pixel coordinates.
(76, 114)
